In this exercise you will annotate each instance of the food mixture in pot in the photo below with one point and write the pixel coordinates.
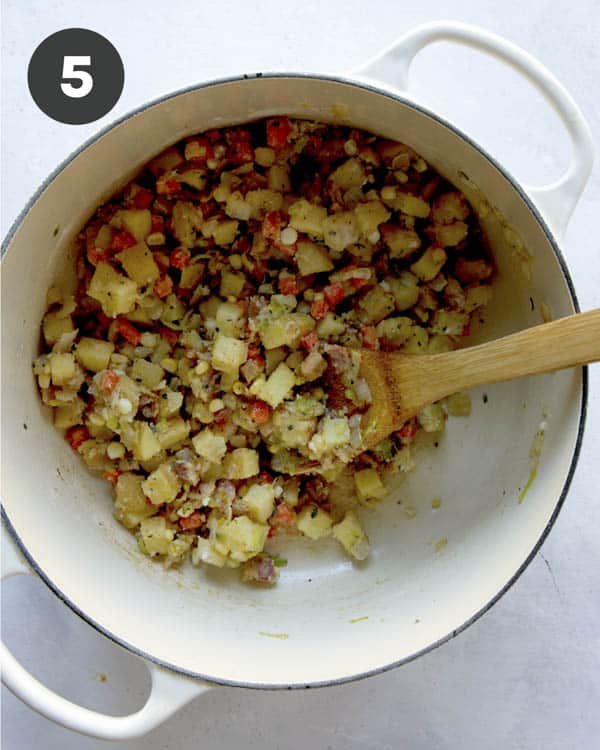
(199, 365)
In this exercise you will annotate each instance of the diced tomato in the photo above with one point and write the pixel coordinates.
(158, 223)
(319, 309)
(260, 412)
(122, 240)
(271, 226)
(142, 198)
(221, 418)
(191, 523)
(288, 285)
(466, 331)
(369, 336)
(169, 335)
(213, 135)
(272, 532)
(202, 150)
(129, 332)
(162, 260)
(357, 282)
(240, 152)
(76, 436)
(254, 353)
(278, 132)
(112, 476)
(108, 382)
(334, 294)
(309, 341)
(259, 271)
(265, 477)
(180, 258)
(408, 431)
(284, 515)
(163, 286)
(97, 255)
(167, 187)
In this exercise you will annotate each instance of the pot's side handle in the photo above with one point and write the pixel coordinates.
(168, 694)
(557, 200)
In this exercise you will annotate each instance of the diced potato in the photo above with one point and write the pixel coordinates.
(162, 485)
(191, 275)
(230, 319)
(139, 264)
(472, 270)
(376, 305)
(370, 215)
(314, 522)
(264, 156)
(450, 207)
(449, 322)
(308, 218)
(263, 201)
(145, 442)
(173, 310)
(186, 219)
(285, 330)
(335, 431)
(340, 230)
(195, 178)
(259, 502)
(147, 373)
(313, 366)
(348, 175)
(411, 205)
(417, 342)
(167, 160)
(241, 463)
(69, 414)
(397, 330)
(431, 418)
(204, 552)
(225, 232)
(401, 242)
(228, 353)
(278, 178)
(429, 264)
(137, 222)
(236, 207)
(62, 368)
(116, 293)
(231, 283)
(351, 535)
(210, 445)
(312, 258)
(439, 343)
(130, 502)
(405, 288)
(368, 484)
(331, 325)
(208, 308)
(94, 354)
(459, 404)
(156, 536)
(277, 387)
(477, 296)
(172, 432)
(241, 537)
(449, 235)
(55, 325)
(273, 357)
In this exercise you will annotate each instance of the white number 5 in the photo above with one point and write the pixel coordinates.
(86, 82)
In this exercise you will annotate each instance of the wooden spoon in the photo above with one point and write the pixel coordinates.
(402, 384)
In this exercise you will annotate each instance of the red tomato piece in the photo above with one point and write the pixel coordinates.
(122, 240)
(108, 382)
(466, 331)
(334, 294)
(97, 255)
(112, 476)
(158, 223)
(271, 226)
(309, 341)
(180, 258)
(142, 198)
(260, 412)
(169, 335)
(163, 286)
(408, 431)
(201, 150)
(278, 132)
(191, 523)
(240, 152)
(221, 417)
(288, 285)
(369, 335)
(284, 515)
(319, 309)
(76, 436)
(167, 187)
(129, 332)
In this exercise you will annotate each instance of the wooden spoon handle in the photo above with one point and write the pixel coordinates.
(566, 342)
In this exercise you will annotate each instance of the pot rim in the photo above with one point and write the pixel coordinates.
(396, 96)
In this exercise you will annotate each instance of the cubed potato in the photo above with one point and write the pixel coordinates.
(277, 387)
(147, 373)
(237, 207)
(459, 404)
(208, 308)
(228, 353)
(139, 264)
(156, 535)
(450, 207)
(429, 264)
(94, 354)
(231, 283)
(285, 330)
(402, 243)
(348, 175)
(195, 178)
(259, 502)
(450, 322)
(473, 270)
(130, 502)
(396, 330)
(62, 368)
(405, 289)
(369, 216)
(312, 258)
(209, 445)
(335, 431)
(225, 232)
(145, 443)
(191, 275)
(162, 485)
(167, 160)
(172, 432)
(308, 218)
(241, 463)
(314, 522)
(449, 235)
(264, 156)
(351, 535)
(116, 293)
(417, 341)
(273, 357)
(340, 230)
(411, 205)
(278, 178)
(376, 305)
(70, 414)
(439, 343)
(262, 201)
(55, 325)
(185, 221)
(477, 296)
(242, 538)
(368, 484)
(431, 418)
(330, 326)
(230, 320)
(138, 222)
(173, 310)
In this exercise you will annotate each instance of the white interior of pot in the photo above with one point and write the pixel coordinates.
(327, 618)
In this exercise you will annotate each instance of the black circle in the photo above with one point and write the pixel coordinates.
(51, 60)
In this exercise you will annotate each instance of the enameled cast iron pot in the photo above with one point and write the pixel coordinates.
(195, 628)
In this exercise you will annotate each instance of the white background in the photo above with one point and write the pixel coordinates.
(527, 675)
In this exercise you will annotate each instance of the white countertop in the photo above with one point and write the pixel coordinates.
(527, 674)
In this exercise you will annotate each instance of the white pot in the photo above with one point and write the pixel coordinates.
(311, 629)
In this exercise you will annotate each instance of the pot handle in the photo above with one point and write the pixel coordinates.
(168, 694)
(557, 200)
